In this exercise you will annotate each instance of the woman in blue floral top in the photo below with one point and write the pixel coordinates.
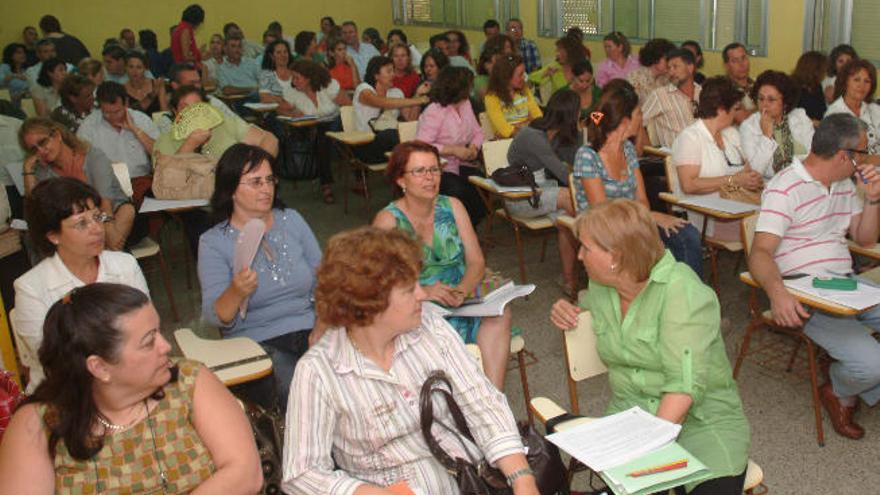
(608, 168)
(452, 262)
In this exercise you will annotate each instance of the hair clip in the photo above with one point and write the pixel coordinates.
(596, 117)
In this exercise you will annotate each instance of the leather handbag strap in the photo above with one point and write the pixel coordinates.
(427, 419)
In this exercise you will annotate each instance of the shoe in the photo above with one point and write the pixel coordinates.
(841, 416)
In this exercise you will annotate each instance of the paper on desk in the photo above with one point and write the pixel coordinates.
(616, 439)
(261, 106)
(862, 298)
(153, 204)
(720, 204)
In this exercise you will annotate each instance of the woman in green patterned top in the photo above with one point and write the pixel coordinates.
(658, 332)
(452, 262)
(115, 414)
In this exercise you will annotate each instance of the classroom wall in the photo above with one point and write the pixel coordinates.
(95, 20)
(785, 38)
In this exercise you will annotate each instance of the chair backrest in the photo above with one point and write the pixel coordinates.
(121, 172)
(26, 355)
(407, 130)
(486, 125)
(346, 114)
(581, 356)
(672, 176)
(495, 154)
(652, 132)
(27, 106)
(572, 192)
(747, 231)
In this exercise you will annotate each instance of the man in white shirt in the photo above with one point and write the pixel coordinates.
(123, 134)
(806, 211)
(249, 48)
(361, 53)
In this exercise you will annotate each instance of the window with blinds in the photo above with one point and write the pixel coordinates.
(714, 23)
(833, 22)
(865, 35)
(467, 14)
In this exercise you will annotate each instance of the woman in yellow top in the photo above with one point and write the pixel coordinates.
(509, 101)
(569, 51)
(658, 332)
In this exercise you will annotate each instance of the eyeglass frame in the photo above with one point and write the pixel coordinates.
(100, 218)
(420, 172)
(41, 143)
(258, 182)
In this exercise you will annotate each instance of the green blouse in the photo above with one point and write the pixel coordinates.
(670, 341)
(557, 79)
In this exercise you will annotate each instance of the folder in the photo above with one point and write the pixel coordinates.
(619, 481)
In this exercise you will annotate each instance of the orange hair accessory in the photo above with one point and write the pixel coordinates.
(596, 117)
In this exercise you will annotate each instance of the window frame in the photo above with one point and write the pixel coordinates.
(503, 12)
(708, 40)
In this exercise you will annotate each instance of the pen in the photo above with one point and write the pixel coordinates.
(659, 469)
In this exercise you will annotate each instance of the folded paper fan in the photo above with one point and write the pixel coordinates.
(246, 248)
(198, 116)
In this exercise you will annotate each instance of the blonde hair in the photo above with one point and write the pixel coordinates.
(48, 126)
(625, 229)
(89, 67)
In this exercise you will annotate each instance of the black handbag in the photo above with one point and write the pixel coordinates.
(476, 476)
(518, 175)
(298, 158)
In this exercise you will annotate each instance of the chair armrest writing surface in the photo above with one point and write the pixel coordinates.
(809, 300)
(657, 151)
(484, 184)
(352, 138)
(566, 221)
(709, 212)
(243, 353)
(872, 252)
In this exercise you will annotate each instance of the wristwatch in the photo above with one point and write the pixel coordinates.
(519, 473)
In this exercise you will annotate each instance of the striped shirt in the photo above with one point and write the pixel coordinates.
(811, 219)
(344, 408)
(667, 111)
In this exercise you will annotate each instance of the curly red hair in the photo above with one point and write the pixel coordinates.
(359, 269)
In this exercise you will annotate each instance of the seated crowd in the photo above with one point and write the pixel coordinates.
(349, 337)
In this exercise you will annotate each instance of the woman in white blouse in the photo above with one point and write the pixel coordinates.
(353, 420)
(854, 94)
(708, 156)
(67, 227)
(777, 131)
(276, 75)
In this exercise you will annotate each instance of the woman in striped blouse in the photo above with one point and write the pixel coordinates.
(353, 419)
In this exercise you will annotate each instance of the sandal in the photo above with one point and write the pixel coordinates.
(327, 192)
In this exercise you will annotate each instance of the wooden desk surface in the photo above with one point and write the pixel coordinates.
(653, 150)
(484, 184)
(711, 212)
(566, 221)
(352, 138)
(872, 252)
(808, 299)
(250, 360)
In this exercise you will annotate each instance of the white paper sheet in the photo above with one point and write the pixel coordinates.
(153, 204)
(261, 106)
(862, 298)
(493, 303)
(614, 440)
(715, 203)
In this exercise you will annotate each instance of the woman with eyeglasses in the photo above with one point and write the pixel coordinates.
(277, 286)
(778, 131)
(854, 91)
(708, 155)
(452, 261)
(66, 225)
(53, 151)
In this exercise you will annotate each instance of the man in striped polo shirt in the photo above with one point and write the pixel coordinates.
(806, 211)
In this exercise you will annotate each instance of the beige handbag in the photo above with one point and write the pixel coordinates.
(183, 176)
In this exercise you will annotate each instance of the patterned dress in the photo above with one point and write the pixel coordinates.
(443, 261)
(127, 462)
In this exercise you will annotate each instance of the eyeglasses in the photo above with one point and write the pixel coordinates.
(86, 221)
(41, 144)
(422, 171)
(257, 182)
(861, 152)
(768, 99)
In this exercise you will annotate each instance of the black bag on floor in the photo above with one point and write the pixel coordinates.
(298, 160)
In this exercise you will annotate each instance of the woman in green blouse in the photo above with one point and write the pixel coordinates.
(657, 331)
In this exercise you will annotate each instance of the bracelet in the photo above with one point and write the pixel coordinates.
(874, 202)
(729, 180)
(519, 473)
(28, 173)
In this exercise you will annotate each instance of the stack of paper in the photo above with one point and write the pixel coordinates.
(863, 298)
(494, 302)
(632, 440)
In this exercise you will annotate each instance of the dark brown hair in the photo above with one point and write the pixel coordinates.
(809, 71)
(51, 202)
(782, 83)
(849, 70)
(619, 39)
(502, 73)
(618, 101)
(718, 92)
(318, 76)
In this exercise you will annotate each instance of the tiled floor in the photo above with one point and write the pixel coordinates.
(777, 403)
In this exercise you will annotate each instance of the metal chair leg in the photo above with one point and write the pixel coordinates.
(166, 281)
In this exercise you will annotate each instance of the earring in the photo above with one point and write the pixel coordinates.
(403, 188)
(613, 266)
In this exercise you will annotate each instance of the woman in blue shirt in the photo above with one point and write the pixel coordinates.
(278, 284)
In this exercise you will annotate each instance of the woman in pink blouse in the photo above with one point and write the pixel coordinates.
(618, 62)
(449, 124)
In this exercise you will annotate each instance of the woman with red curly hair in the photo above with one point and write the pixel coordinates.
(353, 421)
